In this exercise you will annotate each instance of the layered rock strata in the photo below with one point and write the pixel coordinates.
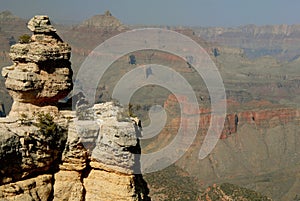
(47, 154)
(99, 160)
(41, 73)
(268, 117)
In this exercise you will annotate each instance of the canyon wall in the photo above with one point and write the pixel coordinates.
(258, 148)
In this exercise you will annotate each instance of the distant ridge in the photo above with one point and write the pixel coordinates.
(280, 41)
(11, 25)
(7, 16)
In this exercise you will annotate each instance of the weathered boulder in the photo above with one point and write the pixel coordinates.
(41, 73)
(115, 158)
(35, 189)
(29, 147)
(68, 186)
(40, 24)
(99, 158)
(116, 146)
(111, 186)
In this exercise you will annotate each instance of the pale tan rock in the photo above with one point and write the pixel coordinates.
(35, 189)
(75, 156)
(40, 51)
(26, 150)
(113, 159)
(102, 185)
(19, 108)
(40, 24)
(68, 186)
(41, 73)
(112, 143)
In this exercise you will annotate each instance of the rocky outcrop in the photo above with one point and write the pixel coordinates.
(47, 154)
(108, 174)
(41, 73)
(29, 147)
(35, 189)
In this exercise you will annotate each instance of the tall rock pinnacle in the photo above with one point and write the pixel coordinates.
(41, 73)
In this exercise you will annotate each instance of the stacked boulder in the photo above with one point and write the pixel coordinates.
(111, 142)
(41, 73)
(49, 154)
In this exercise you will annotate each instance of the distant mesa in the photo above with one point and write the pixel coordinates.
(105, 21)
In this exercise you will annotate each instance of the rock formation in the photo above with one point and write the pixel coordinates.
(108, 174)
(47, 154)
(41, 73)
(106, 22)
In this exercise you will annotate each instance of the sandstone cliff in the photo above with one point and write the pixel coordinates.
(47, 154)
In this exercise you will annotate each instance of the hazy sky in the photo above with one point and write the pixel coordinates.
(164, 12)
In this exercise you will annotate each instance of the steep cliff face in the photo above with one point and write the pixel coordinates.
(47, 154)
(267, 117)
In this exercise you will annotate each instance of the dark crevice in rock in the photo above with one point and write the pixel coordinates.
(48, 65)
(85, 173)
(141, 188)
(51, 196)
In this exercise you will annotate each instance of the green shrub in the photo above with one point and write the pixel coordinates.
(24, 39)
(50, 132)
(46, 124)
